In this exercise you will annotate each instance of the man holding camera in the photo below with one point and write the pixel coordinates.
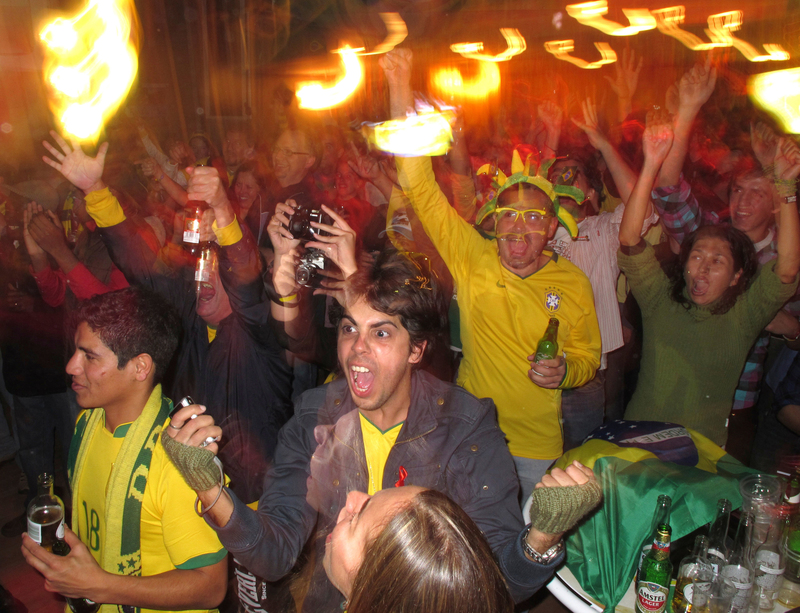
(229, 357)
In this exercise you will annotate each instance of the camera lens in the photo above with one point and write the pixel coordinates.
(298, 228)
(302, 275)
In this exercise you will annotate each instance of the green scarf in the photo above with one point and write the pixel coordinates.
(126, 485)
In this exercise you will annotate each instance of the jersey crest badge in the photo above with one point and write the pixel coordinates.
(552, 300)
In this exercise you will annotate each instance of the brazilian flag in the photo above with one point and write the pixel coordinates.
(635, 462)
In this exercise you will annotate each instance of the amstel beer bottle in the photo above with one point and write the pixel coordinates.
(652, 588)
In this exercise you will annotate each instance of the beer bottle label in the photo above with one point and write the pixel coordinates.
(35, 531)
(189, 236)
(651, 597)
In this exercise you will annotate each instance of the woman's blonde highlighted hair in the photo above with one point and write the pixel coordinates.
(430, 557)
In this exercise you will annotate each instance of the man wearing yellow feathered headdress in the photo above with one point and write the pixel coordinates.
(508, 290)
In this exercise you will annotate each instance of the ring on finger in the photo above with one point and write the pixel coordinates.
(169, 425)
(537, 373)
(208, 441)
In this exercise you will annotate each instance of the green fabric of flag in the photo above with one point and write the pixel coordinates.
(604, 550)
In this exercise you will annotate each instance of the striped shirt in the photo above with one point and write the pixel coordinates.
(595, 253)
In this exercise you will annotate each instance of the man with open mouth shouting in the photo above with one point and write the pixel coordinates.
(383, 423)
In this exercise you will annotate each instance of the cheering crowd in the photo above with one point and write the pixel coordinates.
(359, 336)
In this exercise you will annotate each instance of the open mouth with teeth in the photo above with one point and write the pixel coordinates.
(699, 287)
(207, 292)
(361, 380)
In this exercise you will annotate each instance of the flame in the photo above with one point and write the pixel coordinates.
(779, 93)
(591, 14)
(449, 82)
(514, 40)
(90, 62)
(396, 33)
(315, 96)
(423, 134)
(562, 49)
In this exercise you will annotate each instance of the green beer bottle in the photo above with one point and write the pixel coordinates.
(652, 588)
(547, 349)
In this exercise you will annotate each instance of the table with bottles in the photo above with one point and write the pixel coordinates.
(743, 562)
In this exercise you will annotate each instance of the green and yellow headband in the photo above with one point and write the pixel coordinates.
(521, 173)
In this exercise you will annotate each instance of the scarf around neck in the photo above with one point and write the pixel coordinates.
(126, 484)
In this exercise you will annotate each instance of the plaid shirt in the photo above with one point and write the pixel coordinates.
(681, 215)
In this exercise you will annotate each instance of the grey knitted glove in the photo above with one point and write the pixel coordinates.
(197, 466)
(557, 509)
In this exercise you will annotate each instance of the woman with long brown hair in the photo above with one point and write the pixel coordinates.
(412, 549)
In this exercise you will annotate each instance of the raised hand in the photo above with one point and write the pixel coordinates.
(284, 269)
(332, 285)
(764, 142)
(396, 66)
(31, 245)
(787, 160)
(151, 169)
(206, 185)
(181, 154)
(194, 428)
(78, 168)
(389, 168)
(590, 124)
(365, 166)
(657, 140)
(551, 116)
(672, 101)
(282, 239)
(46, 230)
(627, 75)
(696, 86)
(340, 246)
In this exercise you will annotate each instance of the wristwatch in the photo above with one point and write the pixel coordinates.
(541, 558)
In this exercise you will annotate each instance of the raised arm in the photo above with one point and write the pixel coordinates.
(368, 168)
(551, 116)
(625, 82)
(656, 142)
(694, 90)
(153, 171)
(787, 168)
(624, 177)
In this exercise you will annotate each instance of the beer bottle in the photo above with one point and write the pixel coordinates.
(652, 588)
(718, 534)
(77, 605)
(694, 579)
(739, 568)
(206, 261)
(661, 516)
(46, 514)
(547, 348)
(46, 527)
(191, 227)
